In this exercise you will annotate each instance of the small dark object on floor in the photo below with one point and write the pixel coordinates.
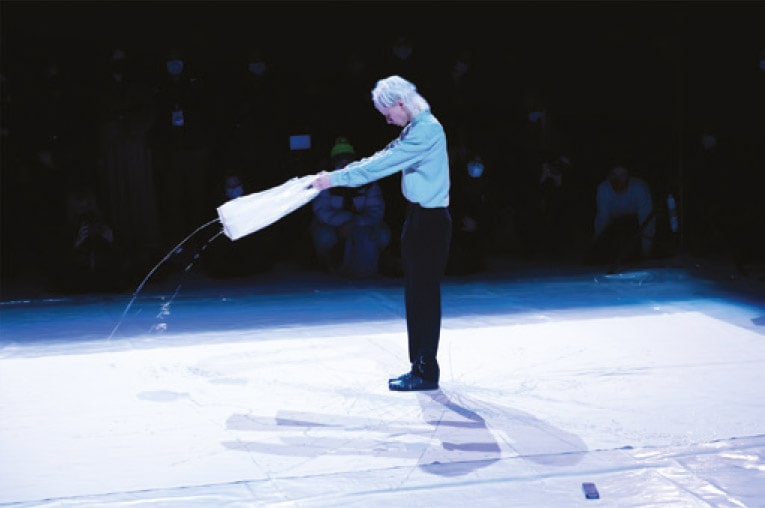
(590, 490)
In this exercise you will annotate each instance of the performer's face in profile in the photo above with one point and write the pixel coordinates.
(396, 114)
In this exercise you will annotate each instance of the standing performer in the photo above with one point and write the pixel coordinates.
(420, 154)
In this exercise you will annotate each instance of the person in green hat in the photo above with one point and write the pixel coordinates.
(348, 229)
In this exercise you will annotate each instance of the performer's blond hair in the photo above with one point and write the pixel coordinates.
(392, 89)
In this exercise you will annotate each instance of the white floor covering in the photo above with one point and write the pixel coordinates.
(648, 383)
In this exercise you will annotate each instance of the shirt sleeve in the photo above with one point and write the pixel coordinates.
(403, 153)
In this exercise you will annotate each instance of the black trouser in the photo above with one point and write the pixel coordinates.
(425, 240)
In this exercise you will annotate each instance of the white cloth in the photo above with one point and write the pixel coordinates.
(247, 214)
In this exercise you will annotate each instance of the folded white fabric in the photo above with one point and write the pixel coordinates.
(247, 214)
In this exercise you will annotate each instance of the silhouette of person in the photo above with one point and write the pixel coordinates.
(87, 256)
(625, 224)
(126, 180)
(183, 139)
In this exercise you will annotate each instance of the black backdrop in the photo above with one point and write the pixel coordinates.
(619, 69)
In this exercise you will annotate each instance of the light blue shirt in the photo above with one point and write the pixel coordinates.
(419, 153)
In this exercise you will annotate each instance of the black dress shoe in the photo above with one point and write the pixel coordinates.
(411, 383)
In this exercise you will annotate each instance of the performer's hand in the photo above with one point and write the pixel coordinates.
(322, 181)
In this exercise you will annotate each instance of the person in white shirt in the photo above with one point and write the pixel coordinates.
(625, 224)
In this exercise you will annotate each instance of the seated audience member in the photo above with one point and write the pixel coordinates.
(557, 214)
(347, 229)
(87, 257)
(546, 181)
(625, 224)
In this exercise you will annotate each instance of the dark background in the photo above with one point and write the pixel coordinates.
(640, 77)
